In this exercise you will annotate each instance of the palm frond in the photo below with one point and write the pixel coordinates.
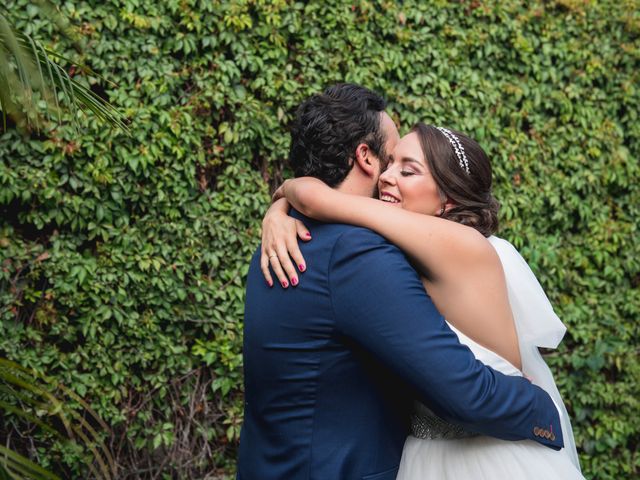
(16, 466)
(36, 403)
(28, 73)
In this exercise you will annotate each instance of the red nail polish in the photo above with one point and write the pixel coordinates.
(270, 283)
(301, 267)
(285, 284)
(308, 235)
(294, 281)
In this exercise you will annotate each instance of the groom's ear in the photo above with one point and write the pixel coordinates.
(365, 160)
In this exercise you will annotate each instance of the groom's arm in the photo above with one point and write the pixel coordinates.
(380, 302)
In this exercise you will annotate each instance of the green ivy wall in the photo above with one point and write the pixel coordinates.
(123, 258)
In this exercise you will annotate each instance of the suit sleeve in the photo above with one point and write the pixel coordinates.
(380, 302)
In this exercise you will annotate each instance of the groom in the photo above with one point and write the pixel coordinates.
(331, 365)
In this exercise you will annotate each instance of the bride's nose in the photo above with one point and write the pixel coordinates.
(388, 177)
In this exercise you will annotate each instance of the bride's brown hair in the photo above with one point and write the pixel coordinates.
(470, 193)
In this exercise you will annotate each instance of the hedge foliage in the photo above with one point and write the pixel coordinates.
(123, 258)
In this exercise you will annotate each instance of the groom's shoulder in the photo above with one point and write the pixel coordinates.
(344, 234)
(354, 234)
(337, 232)
(343, 239)
(360, 255)
(350, 240)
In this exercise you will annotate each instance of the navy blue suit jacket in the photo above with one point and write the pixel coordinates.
(331, 367)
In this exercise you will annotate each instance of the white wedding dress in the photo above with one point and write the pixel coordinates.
(441, 451)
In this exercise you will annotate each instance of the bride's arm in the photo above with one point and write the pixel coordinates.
(441, 248)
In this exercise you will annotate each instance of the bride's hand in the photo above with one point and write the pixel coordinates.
(280, 245)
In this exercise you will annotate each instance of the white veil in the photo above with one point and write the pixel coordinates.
(537, 326)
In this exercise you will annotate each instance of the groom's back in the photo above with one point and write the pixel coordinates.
(317, 406)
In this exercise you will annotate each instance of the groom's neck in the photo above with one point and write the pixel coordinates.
(356, 186)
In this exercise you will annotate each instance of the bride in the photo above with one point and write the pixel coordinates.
(437, 206)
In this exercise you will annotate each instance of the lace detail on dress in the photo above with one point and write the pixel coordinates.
(426, 424)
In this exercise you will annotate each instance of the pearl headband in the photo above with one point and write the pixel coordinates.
(457, 147)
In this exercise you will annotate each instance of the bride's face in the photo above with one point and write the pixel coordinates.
(407, 181)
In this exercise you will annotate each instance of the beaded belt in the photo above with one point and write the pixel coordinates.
(426, 424)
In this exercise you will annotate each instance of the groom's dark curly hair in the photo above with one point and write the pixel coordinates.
(329, 126)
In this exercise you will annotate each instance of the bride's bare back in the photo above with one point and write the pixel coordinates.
(476, 303)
